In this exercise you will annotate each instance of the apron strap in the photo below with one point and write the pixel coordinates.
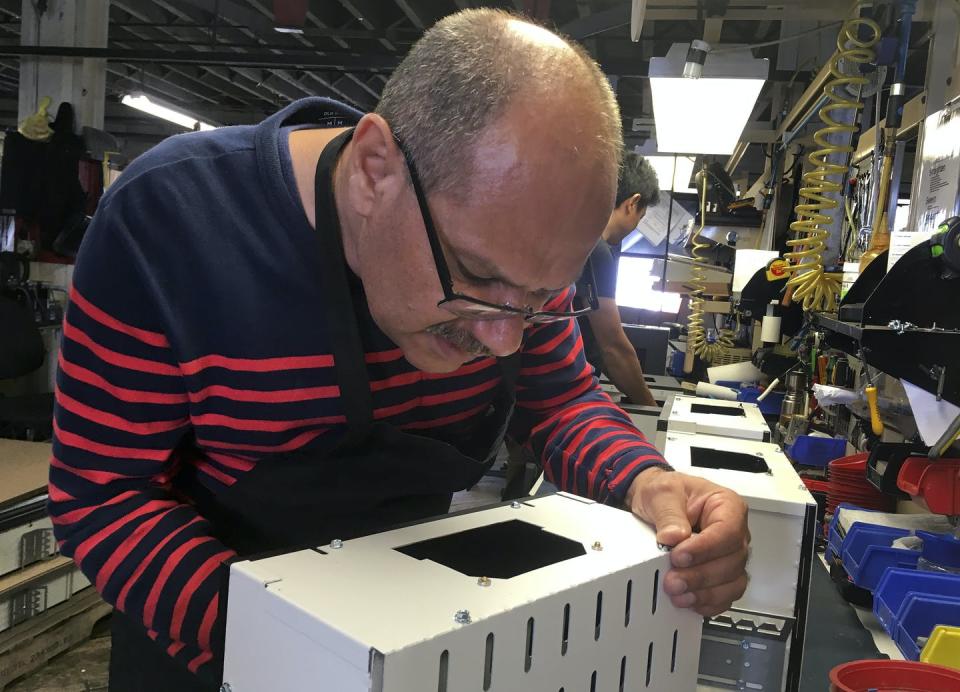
(348, 351)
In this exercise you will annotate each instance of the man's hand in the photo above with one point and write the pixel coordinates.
(709, 567)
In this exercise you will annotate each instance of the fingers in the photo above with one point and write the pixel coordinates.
(712, 601)
(723, 532)
(663, 502)
(721, 571)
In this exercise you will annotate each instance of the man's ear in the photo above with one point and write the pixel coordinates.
(376, 167)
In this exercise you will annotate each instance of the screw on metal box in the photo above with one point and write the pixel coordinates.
(484, 581)
(515, 505)
(597, 545)
(336, 544)
(462, 617)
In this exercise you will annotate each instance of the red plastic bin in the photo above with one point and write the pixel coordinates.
(893, 676)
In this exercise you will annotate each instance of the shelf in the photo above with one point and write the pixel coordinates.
(922, 356)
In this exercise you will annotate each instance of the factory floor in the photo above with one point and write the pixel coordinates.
(84, 667)
(81, 669)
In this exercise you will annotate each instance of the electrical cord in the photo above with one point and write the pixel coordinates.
(698, 342)
(779, 41)
(809, 282)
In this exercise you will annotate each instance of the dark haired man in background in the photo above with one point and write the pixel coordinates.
(605, 344)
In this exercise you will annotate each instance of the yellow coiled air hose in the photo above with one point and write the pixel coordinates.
(810, 283)
(697, 342)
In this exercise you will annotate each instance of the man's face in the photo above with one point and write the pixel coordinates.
(529, 211)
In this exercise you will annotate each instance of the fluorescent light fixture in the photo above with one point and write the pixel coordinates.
(705, 115)
(663, 165)
(288, 29)
(143, 103)
(635, 279)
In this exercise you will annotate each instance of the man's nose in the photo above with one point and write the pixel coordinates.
(501, 336)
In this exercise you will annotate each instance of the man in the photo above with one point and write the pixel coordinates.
(604, 342)
(303, 330)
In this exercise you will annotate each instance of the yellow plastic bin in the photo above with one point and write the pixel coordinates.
(943, 647)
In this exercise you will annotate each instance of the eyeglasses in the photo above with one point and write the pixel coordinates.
(471, 308)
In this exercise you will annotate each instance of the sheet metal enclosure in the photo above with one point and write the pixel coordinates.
(782, 523)
(364, 617)
(701, 416)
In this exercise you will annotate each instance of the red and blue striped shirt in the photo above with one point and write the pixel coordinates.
(195, 342)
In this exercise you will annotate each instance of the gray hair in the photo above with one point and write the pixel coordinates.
(637, 177)
(462, 75)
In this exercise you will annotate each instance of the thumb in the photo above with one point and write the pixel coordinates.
(665, 504)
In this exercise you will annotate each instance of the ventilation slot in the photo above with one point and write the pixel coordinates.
(656, 592)
(566, 629)
(649, 663)
(623, 673)
(528, 656)
(444, 665)
(626, 606)
(593, 682)
(488, 663)
(596, 624)
(673, 654)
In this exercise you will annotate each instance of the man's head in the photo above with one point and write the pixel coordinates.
(516, 136)
(637, 189)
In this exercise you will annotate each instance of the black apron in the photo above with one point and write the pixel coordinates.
(375, 477)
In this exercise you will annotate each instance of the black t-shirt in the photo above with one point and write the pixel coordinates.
(605, 258)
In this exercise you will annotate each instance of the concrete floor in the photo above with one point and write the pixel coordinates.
(81, 669)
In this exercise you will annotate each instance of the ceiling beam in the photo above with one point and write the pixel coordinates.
(262, 21)
(370, 14)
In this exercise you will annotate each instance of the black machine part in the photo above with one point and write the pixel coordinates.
(920, 288)
(885, 461)
(760, 291)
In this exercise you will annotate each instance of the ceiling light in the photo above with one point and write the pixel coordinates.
(143, 103)
(664, 166)
(704, 115)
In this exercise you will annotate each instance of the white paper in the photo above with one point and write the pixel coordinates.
(653, 226)
(828, 395)
(902, 241)
(747, 263)
(932, 416)
(936, 198)
(734, 372)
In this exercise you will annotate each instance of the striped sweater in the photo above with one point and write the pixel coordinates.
(195, 343)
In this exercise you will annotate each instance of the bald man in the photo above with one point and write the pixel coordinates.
(324, 324)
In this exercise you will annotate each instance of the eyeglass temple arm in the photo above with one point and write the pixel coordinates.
(438, 259)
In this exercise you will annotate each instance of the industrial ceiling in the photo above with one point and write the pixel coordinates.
(224, 61)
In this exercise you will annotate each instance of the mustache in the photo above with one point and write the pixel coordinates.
(460, 338)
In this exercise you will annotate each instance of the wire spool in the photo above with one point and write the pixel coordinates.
(810, 283)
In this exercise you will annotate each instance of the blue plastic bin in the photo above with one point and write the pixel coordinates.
(897, 585)
(866, 553)
(816, 451)
(769, 407)
(918, 615)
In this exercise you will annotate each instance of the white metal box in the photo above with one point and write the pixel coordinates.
(37, 588)
(782, 523)
(553, 593)
(26, 534)
(702, 416)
